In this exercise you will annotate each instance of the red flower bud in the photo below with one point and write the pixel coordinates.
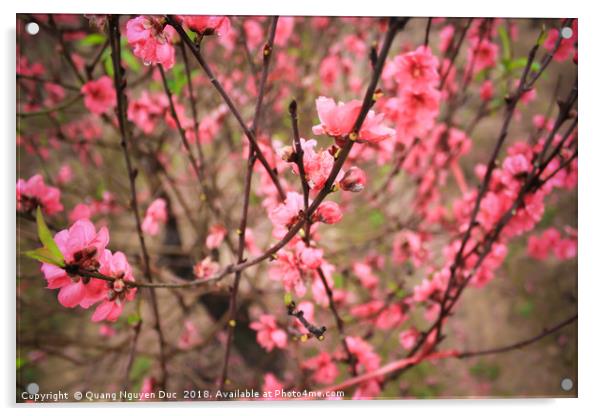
(354, 180)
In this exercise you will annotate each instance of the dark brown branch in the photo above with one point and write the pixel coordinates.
(120, 83)
(247, 194)
(517, 345)
(218, 86)
(317, 332)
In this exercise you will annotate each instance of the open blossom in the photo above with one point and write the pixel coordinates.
(286, 214)
(336, 119)
(156, 214)
(482, 54)
(99, 95)
(367, 359)
(216, 235)
(291, 267)
(148, 110)
(364, 272)
(328, 212)
(205, 268)
(151, 40)
(269, 336)
(324, 368)
(284, 30)
(417, 69)
(408, 338)
(34, 192)
(117, 293)
(81, 247)
(208, 25)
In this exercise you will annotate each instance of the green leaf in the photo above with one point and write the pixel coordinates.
(140, 366)
(46, 238)
(338, 280)
(45, 256)
(21, 362)
(93, 39)
(132, 62)
(133, 319)
(505, 42)
(376, 218)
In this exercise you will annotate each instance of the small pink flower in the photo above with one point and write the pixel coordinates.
(65, 174)
(107, 331)
(216, 235)
(271, 384)
(189, 335)
(286, 214)
(117, 293)
(156, 215)
(284, 30)
(366, 275)
(148, 387)
(482, 54)
(325, 370)
(336, 119)
(33, 193)
(205, 268)
(486, 91)
(417, 69)
(269, 336)
(208, 25)
(328, 212)
(408, 338)
(80, 212)
(99, 95)
(151, 40)
(354, 180)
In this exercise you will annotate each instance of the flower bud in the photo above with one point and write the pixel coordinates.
(329, 213)
(286, 153)
(354, 180)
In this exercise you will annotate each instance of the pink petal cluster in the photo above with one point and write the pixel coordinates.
(551, 241)
(337, 120)
(151, 40)
(99, 95)
(207, 25)
(324, 369)
(34, 192)
(408, 338)
(83, 248)
(292, 267)
(156, 215)
(269, 336)
(205, 268)
(216, 235)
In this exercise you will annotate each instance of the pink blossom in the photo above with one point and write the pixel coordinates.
(325, 370)
(114, 265)
(271, 385)
(486, 91)
(65, 174)
(366, 275)
(207, 25)
(317, 165)
(367, 359)
(216, 235)
(417, 69)
(156, 214)
(284, 30)
(151, 40)
(34, 192)
(446, 36)
(286, 214)
(292, 267)
(373, 129)
(390, 317)
(99, 95)
(80, 212)
(336, 119)
(205, 268)
(269, 336)
(328, 212)
(81, 247)
(482, 54)
(189, 336)
(148, 387)
(107, 331)
(408, 338)
(566, 45)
